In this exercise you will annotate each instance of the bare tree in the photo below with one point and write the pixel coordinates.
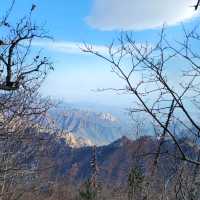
(166, 91)
(196, 6)
(16, 67)
(22, 109)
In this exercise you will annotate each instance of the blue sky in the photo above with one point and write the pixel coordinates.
(97, 22)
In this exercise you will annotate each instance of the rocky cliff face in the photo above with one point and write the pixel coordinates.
(73, 141)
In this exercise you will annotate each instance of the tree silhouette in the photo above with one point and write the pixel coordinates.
(18, 66)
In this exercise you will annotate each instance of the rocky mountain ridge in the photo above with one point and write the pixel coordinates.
(97, 128)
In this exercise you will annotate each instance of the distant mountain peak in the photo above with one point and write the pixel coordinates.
(123, 141)
(108, 117)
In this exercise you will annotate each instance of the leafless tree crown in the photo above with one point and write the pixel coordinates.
(18, 66)
(164, 80)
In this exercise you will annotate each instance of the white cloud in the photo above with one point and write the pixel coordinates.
(77, 48)
(139, 14)
(68, 47)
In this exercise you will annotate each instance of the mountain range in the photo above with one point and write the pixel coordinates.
(115, 160)
(90, 127)
(46, 160)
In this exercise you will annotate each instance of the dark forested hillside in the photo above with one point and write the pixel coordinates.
(114, 160)
(53, 162)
